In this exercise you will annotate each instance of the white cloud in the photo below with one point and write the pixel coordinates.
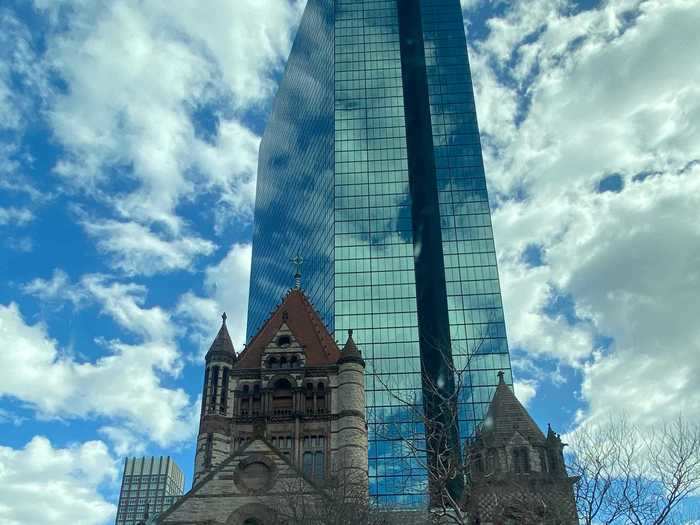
(137, 73)
(18, 216)
(136, 250)
(43, 485)
(226, 285)
(525, 390)
(58, 288)
(124, 385)
(124, 442)
(610, 90)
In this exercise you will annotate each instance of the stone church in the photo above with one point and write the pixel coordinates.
(281, 422)
(518, 475)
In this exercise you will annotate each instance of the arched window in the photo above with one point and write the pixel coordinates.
(224, 391)
(294, 361)
(284, 341)
(308, 463)
(521, 460)
(319, 465)
(204, 389)
(515, 462)
(492, 461)
(273, 362)
(283, 362)
(214, 386)
(478, 463)
(321, 399)
(244, 405)
(282, 398)
(525, 460)
(309, 398)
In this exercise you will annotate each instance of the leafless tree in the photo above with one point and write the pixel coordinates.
(628, 475)
(339, 500)
(428, 435)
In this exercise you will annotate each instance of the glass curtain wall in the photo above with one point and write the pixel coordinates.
(374, 271)
(333, 187)
(477, 327)
(294, 195)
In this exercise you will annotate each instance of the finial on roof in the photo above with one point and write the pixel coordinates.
(222, 342)
(350, 352)
(297, 262)
(501, 378)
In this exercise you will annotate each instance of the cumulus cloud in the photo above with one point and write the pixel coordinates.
(226, 285)
(42, 484)
(571, 98)
(153, 113)
(124, 385)
(526, 390)
(136, 250)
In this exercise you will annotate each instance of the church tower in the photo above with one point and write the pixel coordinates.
(517, 474)
(293, 396)
(349, 434)
(214, 439)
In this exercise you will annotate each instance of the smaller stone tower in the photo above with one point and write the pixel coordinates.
(349, 434)
(214, 438)
(518, 474)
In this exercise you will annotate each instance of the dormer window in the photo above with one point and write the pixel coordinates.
(284, 341)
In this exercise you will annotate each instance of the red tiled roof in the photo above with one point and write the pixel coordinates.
(306, 326)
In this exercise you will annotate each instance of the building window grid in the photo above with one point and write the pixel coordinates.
(355, 27)
(383, 316)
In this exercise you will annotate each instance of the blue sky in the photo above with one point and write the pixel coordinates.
(128, 143)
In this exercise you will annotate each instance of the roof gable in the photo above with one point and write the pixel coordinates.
(225, 472)
(306, 328)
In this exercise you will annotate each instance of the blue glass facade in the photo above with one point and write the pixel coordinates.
(371, 169)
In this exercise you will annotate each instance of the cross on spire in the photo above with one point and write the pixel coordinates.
(297, 261)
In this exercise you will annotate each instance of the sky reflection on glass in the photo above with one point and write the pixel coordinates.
(333, 186)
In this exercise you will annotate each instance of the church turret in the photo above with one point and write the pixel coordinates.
(350, 435)
(213, 441)
(513, 462)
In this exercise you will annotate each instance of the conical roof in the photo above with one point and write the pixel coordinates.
(222, 342)
(506, 416)
(350, 352)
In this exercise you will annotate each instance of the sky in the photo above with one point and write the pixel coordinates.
(129, 132)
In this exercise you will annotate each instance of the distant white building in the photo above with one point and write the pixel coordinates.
(150, 485)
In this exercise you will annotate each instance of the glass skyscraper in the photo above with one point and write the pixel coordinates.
(370, 168)
(150, 486)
